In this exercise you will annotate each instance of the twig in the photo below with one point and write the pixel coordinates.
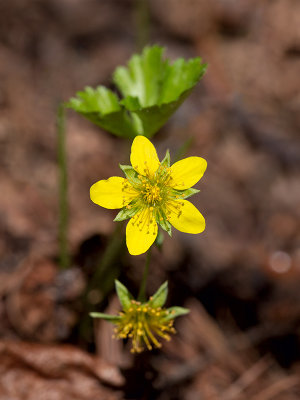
(282, 385)
(247, 379)
(182, 373)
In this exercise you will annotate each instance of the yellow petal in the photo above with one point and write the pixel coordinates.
(143, 156)
(141, 231)
(114, 192)
(185, 217)
(185, 173)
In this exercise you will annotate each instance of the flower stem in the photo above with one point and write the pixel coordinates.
(64, 257)
(142, 292)
(183, 149)
(142, 23)
(102, 281)
(108, 268)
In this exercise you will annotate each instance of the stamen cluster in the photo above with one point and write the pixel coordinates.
(154, 190)
(144, 325)
(156, 195)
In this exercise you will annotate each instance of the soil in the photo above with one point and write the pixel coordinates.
(240, 278)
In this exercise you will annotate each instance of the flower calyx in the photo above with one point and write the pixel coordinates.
(145, 323)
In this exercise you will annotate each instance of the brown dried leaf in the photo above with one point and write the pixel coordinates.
(32, 371)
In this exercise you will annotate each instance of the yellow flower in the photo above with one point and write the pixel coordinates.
(152, 193)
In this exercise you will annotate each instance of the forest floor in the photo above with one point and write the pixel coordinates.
(240, 278)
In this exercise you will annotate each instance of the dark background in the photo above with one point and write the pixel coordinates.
(240, 278)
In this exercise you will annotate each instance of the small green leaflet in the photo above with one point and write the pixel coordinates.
(152, 90)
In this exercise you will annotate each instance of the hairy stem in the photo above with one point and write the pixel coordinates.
(183, 149)
(142, 23)
(108, 268)
(64, 257)
(142, 292)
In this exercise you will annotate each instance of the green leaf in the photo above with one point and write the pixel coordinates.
(154, 117)
(144, 76)
(125, 213)
(175, 312)
(183, 149)
(101, 106)
(124, 296)
(100, 100)
(159, 298)
(152, 90)
(107, 317)
(166, 161)
(180, 77)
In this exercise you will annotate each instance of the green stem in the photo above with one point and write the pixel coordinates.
(102, 281)
(142, 23)
(64, 257)
(108, 269)
(142, 292)
(183, 149)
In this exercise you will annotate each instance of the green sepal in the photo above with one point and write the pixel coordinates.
(185, 194)
(130, 173)
(175, 312)
(160, 296)
(165, 225)
(125, 213)
(107, 317)
(166, 161)
(124, 295)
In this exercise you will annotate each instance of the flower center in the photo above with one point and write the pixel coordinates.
(151, 193)
(155, 189)
(144, 324)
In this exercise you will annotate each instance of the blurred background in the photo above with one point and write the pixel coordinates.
(240, 278)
